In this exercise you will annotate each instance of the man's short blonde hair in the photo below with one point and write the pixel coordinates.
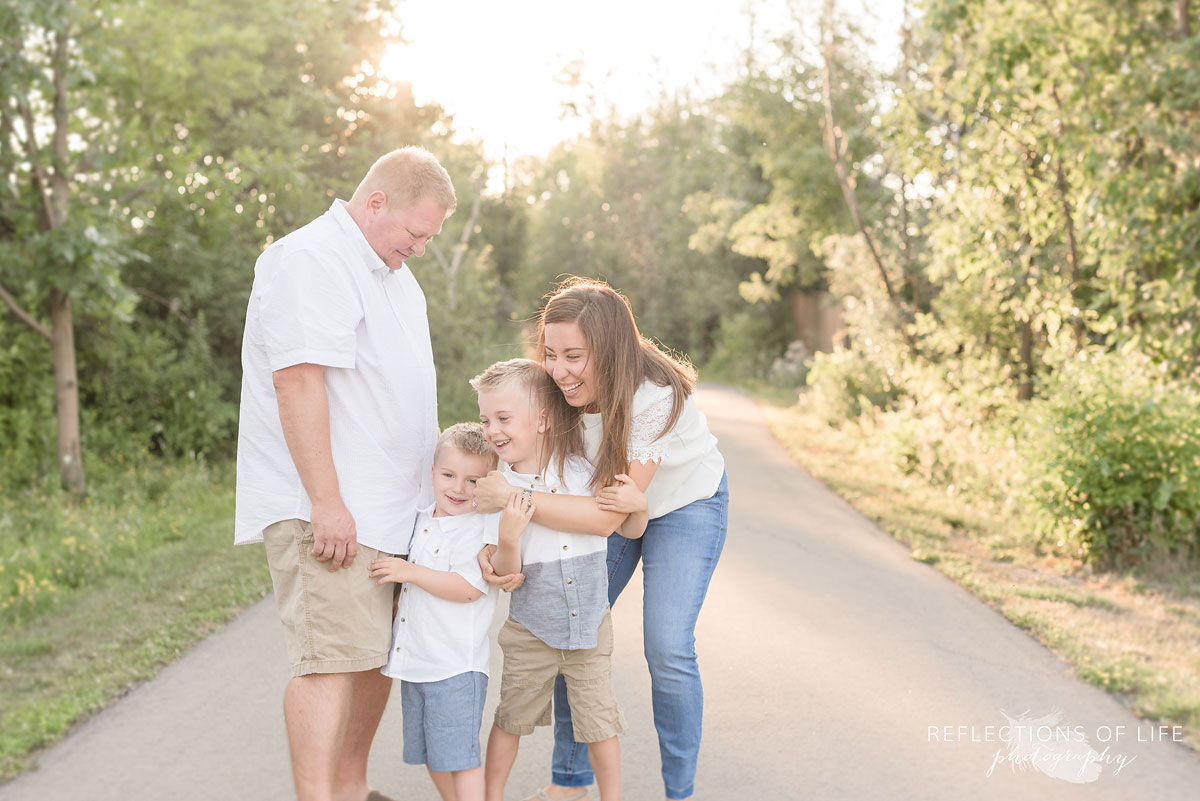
(467, 438)
(525, 372)
(407, 176)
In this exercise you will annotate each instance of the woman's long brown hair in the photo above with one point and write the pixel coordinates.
(623, 360)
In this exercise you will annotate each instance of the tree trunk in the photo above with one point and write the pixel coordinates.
(1183, 20)
(1025, 384)
(66, 392)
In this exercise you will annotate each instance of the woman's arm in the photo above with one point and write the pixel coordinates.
(575, 513)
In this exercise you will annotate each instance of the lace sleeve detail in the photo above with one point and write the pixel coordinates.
(645, 445)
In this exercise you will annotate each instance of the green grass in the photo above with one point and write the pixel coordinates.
(161, 574)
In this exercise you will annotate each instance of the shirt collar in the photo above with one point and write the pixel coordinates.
(450, 523)
(366, 253)
(549, 478)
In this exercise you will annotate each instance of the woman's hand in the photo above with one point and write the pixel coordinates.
(624, 497)
(507, 583)
(492, 492)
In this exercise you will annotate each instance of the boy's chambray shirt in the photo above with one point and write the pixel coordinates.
(566, 575)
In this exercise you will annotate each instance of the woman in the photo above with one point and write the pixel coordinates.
(630, 411)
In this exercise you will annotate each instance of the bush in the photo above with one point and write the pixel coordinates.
(790, 370)
(1114, 458)
(27, 426)
(144, 390)
(748, 342)
(845, 384)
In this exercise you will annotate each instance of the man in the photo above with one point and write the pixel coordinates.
(337, 429)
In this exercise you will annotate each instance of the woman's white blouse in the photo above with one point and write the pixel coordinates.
(690, 466)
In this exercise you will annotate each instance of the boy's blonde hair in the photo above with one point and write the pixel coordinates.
(525, 372)
(543, 393)
(467, 438)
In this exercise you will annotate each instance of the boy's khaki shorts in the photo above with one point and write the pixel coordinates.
(527, 684)
(338, 622)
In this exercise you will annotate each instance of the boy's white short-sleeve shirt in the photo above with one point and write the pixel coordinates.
(433, 638)
(321, 295)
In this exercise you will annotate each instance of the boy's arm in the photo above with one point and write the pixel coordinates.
(635, 525)
(625, 496)
(513, 520)
(442, 583)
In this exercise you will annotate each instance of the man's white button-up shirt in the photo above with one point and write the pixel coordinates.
(321, 295)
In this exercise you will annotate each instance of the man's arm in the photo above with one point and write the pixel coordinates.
(304, 415)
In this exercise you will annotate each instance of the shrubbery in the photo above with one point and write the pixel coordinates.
(1113, 457)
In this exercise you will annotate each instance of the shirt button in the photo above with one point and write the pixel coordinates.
(570, 580)
(554, 489)
(435, 551)
(426, 531)
(574, 613)
(405, 589)
(397, 650)
(564, 547)
(401, 620)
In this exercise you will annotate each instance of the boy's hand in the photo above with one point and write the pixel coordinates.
(624, 497)
(492, 492)
(515, 516)
(507, 583)
(391, 568)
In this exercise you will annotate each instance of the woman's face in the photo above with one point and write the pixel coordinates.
(569, 362)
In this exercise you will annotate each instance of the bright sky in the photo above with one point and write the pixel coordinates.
(494, 63)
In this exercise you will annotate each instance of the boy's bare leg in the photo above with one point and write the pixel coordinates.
(315, 710)
(501, 753)
(606, 764)
(370, 695)
(444, 782)
(468, 784)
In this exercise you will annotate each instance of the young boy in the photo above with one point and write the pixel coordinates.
(559, 620)
(444, 611)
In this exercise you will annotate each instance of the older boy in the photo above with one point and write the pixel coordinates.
(559, 621)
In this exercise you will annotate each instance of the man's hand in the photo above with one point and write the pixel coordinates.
(391, 568)
(335, 538)
(507, 583)
(624, 497)
(492, 492)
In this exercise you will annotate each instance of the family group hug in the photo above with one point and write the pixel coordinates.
(389, 543)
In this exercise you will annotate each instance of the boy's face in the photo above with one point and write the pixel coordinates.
(510, 422)
(454, 476)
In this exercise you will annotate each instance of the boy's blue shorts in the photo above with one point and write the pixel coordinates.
(441, 721)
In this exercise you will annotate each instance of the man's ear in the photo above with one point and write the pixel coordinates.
(377, 200)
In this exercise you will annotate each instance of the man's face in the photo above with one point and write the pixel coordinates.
(397, 234)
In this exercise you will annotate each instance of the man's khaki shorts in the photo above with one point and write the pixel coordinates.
(527, 684)
(338, 622)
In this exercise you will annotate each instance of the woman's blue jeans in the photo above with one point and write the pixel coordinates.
(679, 552)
